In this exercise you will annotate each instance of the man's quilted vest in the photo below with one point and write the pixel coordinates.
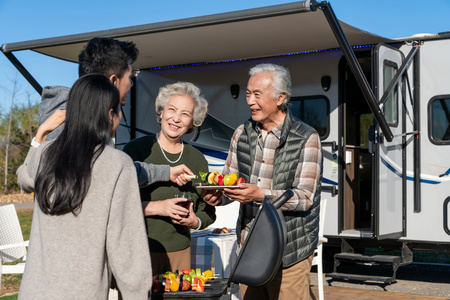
(302, 226)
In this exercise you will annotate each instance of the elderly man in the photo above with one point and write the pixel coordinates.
(273, 151)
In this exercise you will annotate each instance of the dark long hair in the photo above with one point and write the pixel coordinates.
(64, 175)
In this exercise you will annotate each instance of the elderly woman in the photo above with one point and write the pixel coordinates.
(180, 109)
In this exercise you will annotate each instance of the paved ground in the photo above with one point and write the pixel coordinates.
(420, 279)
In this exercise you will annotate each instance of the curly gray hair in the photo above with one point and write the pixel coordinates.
(187, 89)
(281, 80)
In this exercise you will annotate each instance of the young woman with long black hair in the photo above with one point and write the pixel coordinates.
(87, 222)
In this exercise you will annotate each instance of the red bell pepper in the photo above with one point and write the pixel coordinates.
(198, 285)
(220, 179)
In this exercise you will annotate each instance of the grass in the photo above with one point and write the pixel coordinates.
(10, 297)
(11, 283)
(25, 217)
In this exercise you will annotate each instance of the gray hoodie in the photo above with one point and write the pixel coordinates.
(53, 98)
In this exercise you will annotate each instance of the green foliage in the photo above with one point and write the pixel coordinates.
(24, 123)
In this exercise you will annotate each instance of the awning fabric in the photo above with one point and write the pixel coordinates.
(253, 33)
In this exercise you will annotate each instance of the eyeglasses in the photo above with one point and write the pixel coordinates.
(134, 73)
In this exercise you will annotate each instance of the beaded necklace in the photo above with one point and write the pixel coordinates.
(162, 150)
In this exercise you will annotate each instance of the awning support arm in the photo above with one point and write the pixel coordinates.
(398, 76)
(356, 68)
(24, 72)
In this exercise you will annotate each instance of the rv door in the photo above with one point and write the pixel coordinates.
(387, 216)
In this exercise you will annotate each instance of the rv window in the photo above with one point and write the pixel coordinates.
(440, 119)
(314, 111)
(390, 106)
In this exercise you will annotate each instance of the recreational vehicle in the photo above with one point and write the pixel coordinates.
(381, 107)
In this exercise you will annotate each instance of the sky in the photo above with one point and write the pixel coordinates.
(23, 20)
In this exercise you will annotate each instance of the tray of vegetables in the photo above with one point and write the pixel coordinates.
(188, 283)
(216, 180)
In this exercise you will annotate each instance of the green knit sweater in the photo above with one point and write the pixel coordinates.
(164, 236)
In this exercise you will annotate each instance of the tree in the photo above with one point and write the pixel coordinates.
(8, 137)
(23, 126)
(17, 128)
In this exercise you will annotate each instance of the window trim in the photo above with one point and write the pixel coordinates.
(313, 97)
(430, 120)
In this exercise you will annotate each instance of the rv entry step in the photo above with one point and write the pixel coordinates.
(355, 267)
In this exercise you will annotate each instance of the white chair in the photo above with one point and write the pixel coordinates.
(317, 260)
(12, 246)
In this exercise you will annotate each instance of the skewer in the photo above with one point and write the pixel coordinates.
(191, 176)
(200, 184)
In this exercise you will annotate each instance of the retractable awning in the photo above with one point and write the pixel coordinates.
(252, 33)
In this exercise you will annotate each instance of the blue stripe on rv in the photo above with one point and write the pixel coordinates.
(223, 155)
(410, 178)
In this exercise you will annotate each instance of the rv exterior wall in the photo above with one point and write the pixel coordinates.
(306, 71)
